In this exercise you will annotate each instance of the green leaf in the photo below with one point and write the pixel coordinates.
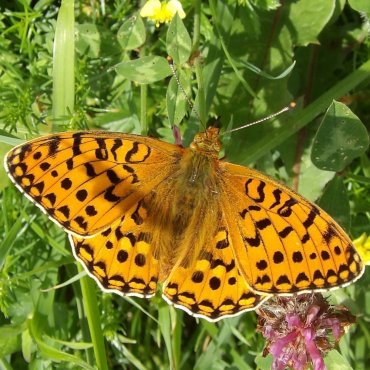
(308, 188)
(360, 6)
(340, 138)
(145, 70)
(176, 100)
(131, 34)
(267, 4)
(335, 361)
(304, 18)
(50, 352)
(88, 39)
(335, 201)
(10, 339)
(27, 344)
(178, 41)
(264, 362)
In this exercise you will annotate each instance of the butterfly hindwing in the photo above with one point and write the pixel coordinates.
(212, 287)
(86, 180)
(285, 244)
(120, 258)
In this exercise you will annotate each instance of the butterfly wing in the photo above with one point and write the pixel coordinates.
(212, 287)
(282, 242)
(120, 258)
(86, 180)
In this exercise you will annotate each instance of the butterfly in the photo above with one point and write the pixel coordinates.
(219, 238)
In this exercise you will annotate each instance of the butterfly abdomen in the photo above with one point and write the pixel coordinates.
(181, 211)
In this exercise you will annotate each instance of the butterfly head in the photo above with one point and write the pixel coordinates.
(207, 142)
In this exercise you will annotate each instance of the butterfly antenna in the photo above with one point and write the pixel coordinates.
(191, 105)
(285, 109)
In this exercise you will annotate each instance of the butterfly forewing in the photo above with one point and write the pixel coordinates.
(285, 243)
(86, 180)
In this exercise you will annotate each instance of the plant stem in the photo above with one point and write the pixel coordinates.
(143, 110)
(93, 319)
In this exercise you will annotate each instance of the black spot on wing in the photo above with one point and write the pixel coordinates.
(264, 279)
(285, 232)
(122, 256)
(69, 164)
(301, 277)
(278, 257)
(90, 171)
(197, 277)
(109, 196)
(81, 195)
(112, 176)
(136, 215)
(117, 144)
(91, 211)
(297, 257)
(36, 156)
(65, 211)
(262, 224)
(310, 219)
(260, 191)
(106, 232)
(131, 154)
(76, 144)
(253, 241)
(283, 279)
(66, 183)
(325, 255)
(101, 152)
(277, 195)
(81, 222)
(51, 197)
(261, 265)
(39, 186)
(329, 234)
(140, 260)
(214, 283)
(286, 209)
(45, 166)
(54, 145)
(305, 238)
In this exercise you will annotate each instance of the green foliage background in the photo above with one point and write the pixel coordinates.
(247, 59)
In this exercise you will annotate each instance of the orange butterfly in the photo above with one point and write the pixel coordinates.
(220, 238)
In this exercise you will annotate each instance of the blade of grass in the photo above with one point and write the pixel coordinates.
(93, 318)
(48, 351)
(63, 64)
(63, 105)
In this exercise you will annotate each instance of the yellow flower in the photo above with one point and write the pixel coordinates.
(362, 245)
(162, 12)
